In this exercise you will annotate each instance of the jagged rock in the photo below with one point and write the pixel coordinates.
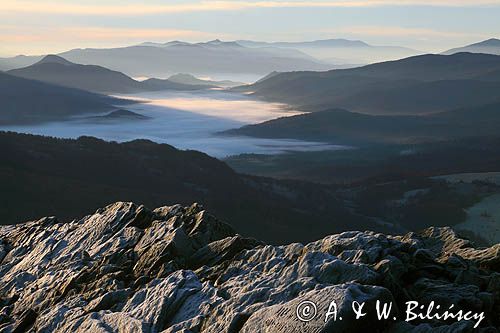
(107, 301)
(494, 286)
(392, 271)
(373, 245)
(178, 269)
(469, 297)
(283, 317)
(3, 250)
(444, 242)
(166, 302)
(174, 240)
(103, 322)
(61, 315)
(472, 278)
(355, 256)
(222, 250)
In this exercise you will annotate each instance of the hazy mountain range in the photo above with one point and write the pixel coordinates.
(18, 62)
(57, 70)
(411, 86)
(341, 51)
(415, 85)
(213, 58)
(218, 59)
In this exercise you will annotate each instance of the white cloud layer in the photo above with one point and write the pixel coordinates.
(132, 9)
(395, 31)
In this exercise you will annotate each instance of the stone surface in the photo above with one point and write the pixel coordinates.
(179, 269)
(284, 317)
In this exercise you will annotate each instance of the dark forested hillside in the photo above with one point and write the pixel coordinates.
(30, 101)
(47, 176)
(376, 163)
(344, 127)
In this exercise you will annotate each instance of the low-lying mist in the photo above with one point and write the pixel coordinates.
(186, 120)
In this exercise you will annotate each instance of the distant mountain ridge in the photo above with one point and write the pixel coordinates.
(214, 59)
(57, 70)
(415, 85)
(489, 42)
(341, 51)
(189, 79)
(220, 58)
(18, 61)
(490, 46)
(205, 59)
(336, 42)
(214, 43)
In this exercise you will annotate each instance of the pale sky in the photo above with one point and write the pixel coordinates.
(51, 26)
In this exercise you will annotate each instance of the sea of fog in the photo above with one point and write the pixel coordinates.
(186, 120)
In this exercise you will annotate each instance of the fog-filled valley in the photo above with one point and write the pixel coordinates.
(186, 120)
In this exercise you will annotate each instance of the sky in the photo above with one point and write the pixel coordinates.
(35, 27)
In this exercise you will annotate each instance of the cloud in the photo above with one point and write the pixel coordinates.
(394, 31)
(15, 34)
(110, 34)
(51, 7)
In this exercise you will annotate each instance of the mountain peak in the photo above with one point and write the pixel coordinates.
(54, 59)
(218, 42)
(492, 42)
(181, 76)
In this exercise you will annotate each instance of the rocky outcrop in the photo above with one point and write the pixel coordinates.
(178, 269)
